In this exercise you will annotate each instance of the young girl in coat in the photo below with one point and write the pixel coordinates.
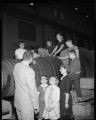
(41, 92)
(52, 96)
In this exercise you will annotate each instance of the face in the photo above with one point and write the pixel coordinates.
(31, 60)
(71, 55)
(43, 80)
(59, 37)
(63, 70)
(68, 43)
(22, 45)
(49, 43)
(52, 81)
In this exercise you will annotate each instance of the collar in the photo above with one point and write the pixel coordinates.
(26, 63)
(44, 85)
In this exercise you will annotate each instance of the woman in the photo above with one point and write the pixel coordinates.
(59, 46)
(66, 112)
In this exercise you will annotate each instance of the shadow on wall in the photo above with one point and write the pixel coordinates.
(87, 62)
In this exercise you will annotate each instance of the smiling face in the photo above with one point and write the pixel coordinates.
(22, 45)
(59, 38)
(63, 70)
(69, 43)
(43, 80)
(49, 43)
(52, 81)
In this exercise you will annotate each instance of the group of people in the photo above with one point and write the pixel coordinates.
(55, 100)
(52, 99)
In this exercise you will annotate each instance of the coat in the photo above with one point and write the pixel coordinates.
(26, 96)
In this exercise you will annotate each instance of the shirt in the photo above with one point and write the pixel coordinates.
(74, 48)
(50, 48)
(19, 53)
(75, 66)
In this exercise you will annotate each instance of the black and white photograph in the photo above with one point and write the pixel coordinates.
(47, 60)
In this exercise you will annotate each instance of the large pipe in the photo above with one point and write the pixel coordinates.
(44, 66)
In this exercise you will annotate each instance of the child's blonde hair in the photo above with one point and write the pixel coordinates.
(56, 79)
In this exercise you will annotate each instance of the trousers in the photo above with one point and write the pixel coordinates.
(25, 115)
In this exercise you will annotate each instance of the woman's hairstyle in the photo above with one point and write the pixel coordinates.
(21, 42)
(59, 34)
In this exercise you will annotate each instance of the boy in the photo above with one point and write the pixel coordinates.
(74, 71)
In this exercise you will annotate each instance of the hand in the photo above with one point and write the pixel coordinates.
(79, 99)
(49, 54)
(66, 105)
(54, 55)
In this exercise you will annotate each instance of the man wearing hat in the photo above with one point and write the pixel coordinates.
(20, 51)
(26, 96)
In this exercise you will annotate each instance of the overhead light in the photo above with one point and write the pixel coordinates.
(87, 16)
(76, 8)
(31, 4)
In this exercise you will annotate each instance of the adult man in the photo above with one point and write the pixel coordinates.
(20, 51)
(26, 96)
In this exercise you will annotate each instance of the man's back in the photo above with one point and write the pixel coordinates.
(22, 98)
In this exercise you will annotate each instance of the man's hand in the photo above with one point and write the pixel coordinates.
(66, 105)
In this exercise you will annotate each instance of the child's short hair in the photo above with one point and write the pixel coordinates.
(73, 52)
(67, 70)
(44, 76)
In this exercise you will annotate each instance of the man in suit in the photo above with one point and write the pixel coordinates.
(26, 96)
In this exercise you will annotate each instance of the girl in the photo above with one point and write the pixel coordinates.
(66, 112)
(52, 96)
(60, 45)
(41, 92)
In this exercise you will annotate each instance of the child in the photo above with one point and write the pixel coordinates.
(52, 96)
(66, 112)
(41, 91)
(75, 70)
